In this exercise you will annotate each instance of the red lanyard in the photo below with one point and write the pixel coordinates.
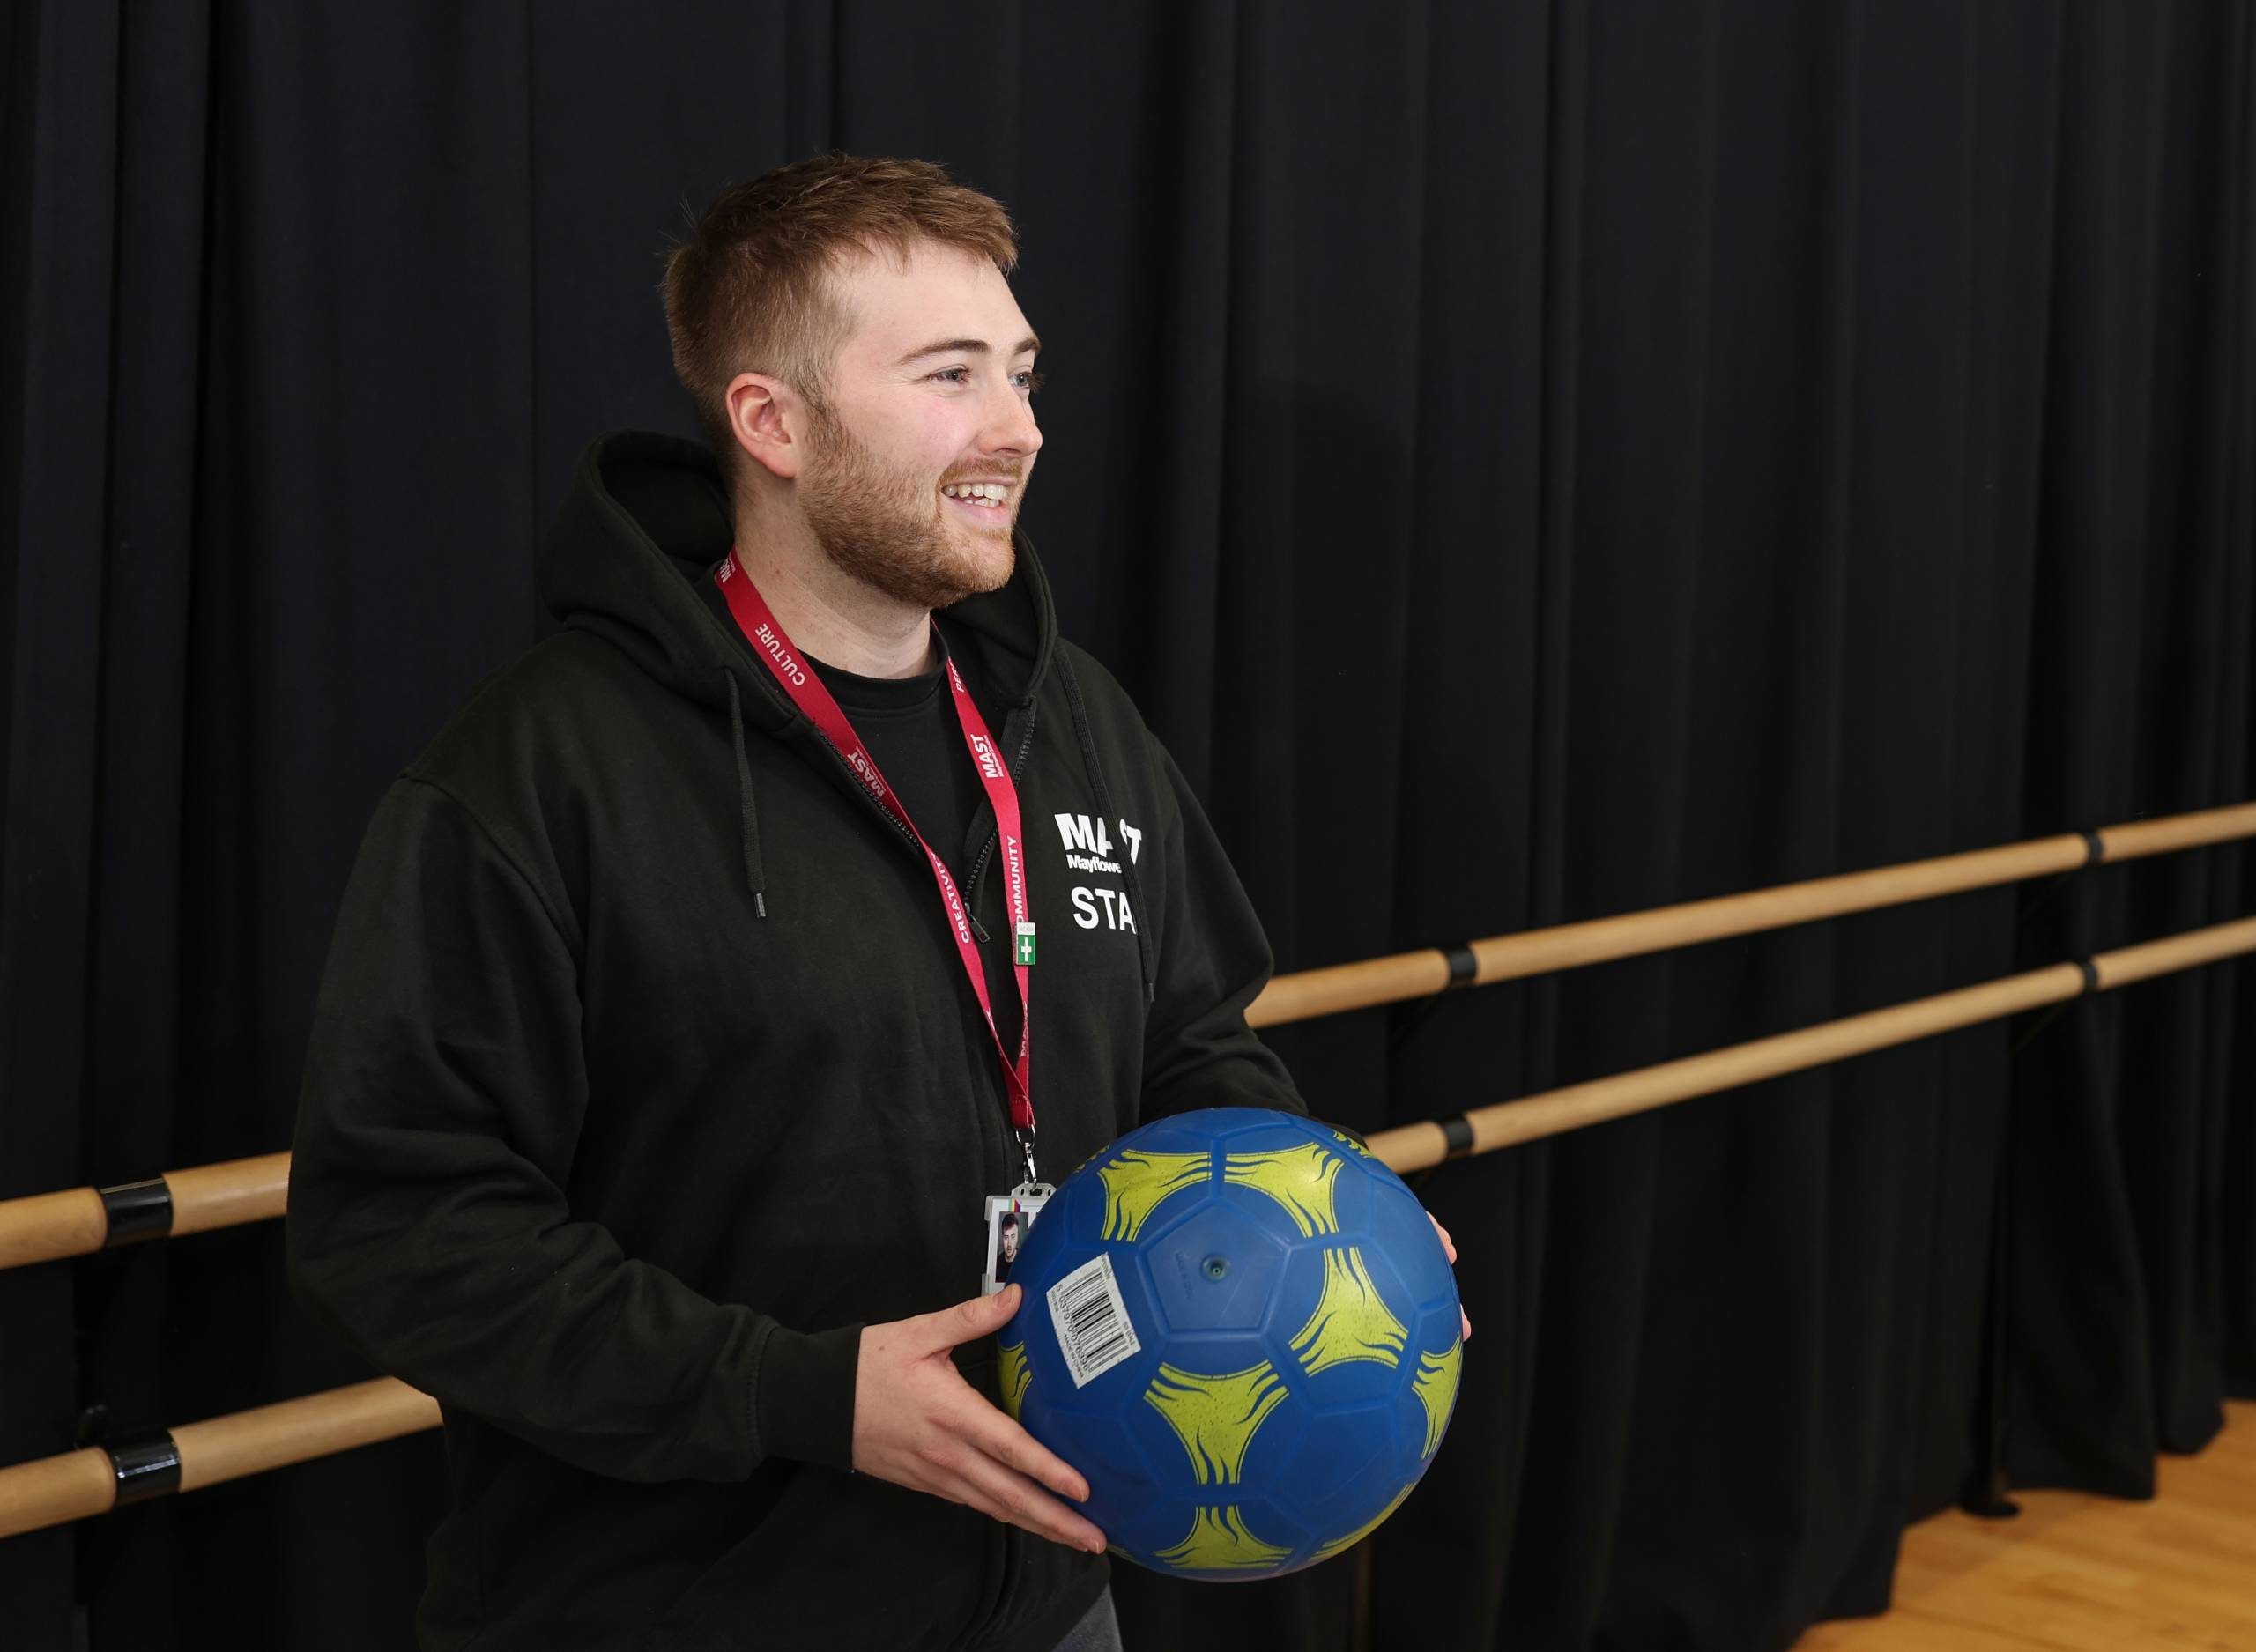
(766, 633)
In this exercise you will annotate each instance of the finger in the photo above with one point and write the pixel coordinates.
(987, 1430)
(1449, 1248)
(968, 1320)
(1012, 1497)
(1466, 1335)
(1091, 1541)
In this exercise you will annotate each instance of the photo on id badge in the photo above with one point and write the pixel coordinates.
(1010, 1216)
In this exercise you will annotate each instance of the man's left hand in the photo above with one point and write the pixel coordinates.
(1449, 1248)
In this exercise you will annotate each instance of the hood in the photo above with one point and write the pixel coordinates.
(648, 517)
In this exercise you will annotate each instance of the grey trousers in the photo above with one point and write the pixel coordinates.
(1098, 1630)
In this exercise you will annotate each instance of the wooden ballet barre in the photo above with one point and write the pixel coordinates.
(1552, 1112)
(50, 1226)
(94, 1479)
(73, 1222)
(50, 1491)
(1360, 986)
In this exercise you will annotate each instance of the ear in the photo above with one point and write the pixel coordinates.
(768, 419)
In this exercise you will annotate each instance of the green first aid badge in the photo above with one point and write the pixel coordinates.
(1025, 935)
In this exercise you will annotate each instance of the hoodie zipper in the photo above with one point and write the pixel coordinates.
(862, 790)
(979, 867)
(1017, 769)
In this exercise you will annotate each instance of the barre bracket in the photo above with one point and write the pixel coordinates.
(146, 1462)
(137, 1210)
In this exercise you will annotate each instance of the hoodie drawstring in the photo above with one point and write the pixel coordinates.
(755, 875)
(1104, 802)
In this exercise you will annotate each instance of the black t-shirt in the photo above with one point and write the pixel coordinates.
(910, 726)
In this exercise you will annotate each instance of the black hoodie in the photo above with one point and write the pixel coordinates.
(616, 1167)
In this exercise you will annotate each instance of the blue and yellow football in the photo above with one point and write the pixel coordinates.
(1241, 1328)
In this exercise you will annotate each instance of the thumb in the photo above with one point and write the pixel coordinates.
(977, 1316)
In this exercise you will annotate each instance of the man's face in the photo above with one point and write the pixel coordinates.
(927, 407)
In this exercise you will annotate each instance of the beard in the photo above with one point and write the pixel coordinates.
(885, 528)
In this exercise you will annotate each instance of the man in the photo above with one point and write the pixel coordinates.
(757, 900)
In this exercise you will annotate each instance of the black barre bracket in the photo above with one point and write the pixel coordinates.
(2093, 850)
(146, 1462)
(1457, 1133)
(137, 1210)
(1463, 966)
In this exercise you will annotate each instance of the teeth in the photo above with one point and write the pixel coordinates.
(990, 493)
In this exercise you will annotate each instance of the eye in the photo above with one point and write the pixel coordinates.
(953, 375)
(1029, 381)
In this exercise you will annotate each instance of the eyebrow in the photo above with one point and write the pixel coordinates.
(965, 347)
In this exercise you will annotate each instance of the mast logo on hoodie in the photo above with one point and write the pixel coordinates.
(1089, 849)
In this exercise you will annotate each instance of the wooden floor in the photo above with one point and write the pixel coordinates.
(2078, 1573)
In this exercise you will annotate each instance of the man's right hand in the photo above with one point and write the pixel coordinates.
(918, 1424)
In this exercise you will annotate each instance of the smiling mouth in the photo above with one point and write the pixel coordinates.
(991, 496)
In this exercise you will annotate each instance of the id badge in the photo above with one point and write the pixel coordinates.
(1010, 1219)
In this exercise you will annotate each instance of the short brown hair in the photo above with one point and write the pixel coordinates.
(749, 291)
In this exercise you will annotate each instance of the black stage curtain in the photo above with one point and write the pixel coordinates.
(1530, 461)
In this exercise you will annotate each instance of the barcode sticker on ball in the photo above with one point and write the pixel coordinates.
(1091, 1321)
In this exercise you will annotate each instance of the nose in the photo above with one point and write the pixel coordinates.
(1010, 425)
